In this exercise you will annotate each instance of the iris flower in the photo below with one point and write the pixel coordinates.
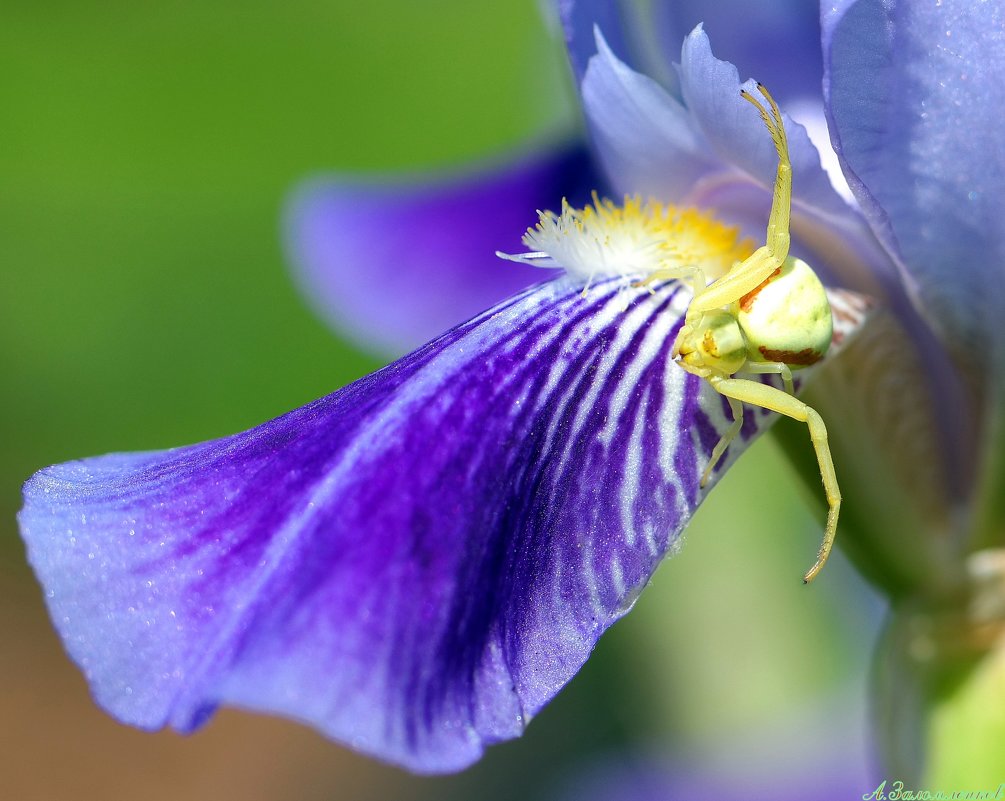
(417, 563)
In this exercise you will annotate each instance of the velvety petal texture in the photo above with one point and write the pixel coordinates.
(416, 563)
(391, 264)
(915, 97)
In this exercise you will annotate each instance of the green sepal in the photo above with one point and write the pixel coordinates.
(939, 701)
(989, 499)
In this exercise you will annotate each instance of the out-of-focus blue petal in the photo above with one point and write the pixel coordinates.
(579, 20)
(916, 97)
(414, 564)
(392, 264)
(776, 40)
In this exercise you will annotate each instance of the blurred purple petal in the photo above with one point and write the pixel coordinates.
(915, 97)
(776, 40)
(393, 264)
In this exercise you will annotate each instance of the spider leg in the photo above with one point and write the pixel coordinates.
(757, 394)
(777, 238)
(756, 268)
(691, 275)
(720, 447)
(744, 277)
(773, 368)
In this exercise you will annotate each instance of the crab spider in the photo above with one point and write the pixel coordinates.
(768, 314)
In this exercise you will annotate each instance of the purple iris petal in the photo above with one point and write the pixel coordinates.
(915, 97)
(393, 264)
(416, 563)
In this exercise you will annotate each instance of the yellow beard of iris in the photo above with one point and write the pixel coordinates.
(635, 240)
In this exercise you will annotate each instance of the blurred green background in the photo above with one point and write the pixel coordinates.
(145, 156)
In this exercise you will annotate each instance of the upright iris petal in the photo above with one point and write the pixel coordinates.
(709, 151)
(915, 99)
(768, 39)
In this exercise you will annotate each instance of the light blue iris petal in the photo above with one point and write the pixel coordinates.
(778, 41)
(645, 139)
(736, 134)
(916, 100)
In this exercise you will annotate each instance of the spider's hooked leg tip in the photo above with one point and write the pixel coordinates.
(813, 572)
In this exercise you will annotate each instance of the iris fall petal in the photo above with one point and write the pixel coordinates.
(414, 564)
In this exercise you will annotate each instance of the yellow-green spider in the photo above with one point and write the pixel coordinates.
(768, 314)
(764, 312)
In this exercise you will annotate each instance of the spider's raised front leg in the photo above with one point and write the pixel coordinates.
(757, 394)
(756, 268)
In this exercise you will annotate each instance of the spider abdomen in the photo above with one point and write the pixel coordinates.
(787, 318)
